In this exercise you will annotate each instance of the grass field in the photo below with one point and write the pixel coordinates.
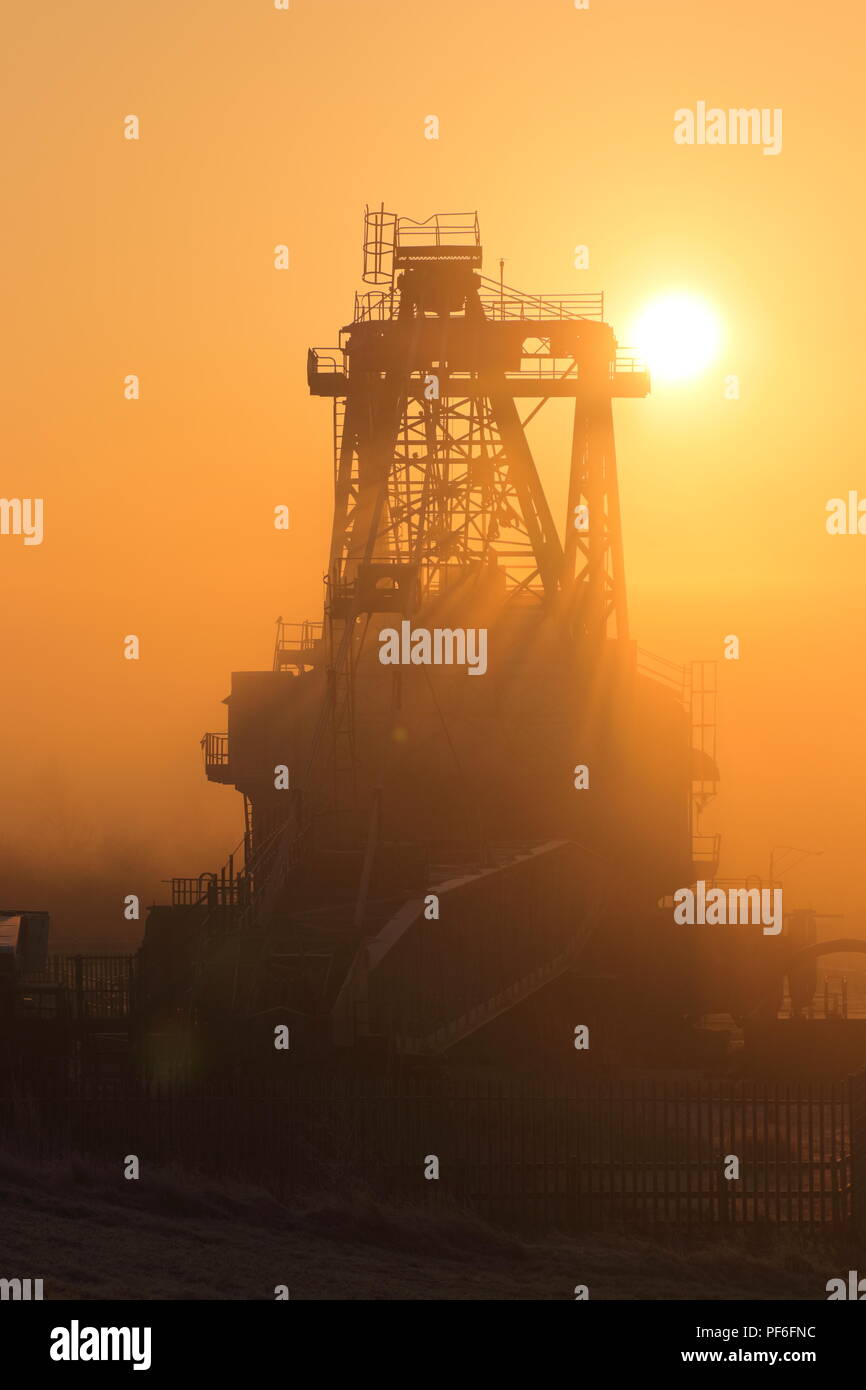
(90, 1234)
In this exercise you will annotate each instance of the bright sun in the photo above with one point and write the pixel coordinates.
(678, 335)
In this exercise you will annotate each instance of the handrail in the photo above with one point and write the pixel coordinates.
(440, 229)
(322, 361)
(659, 668)
(628, 360)
(234, 871)
(216, 749)
(558, 306)
(370, 306)
(509, 306)
(301, 637)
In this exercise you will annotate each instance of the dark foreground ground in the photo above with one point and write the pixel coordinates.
(91, 1234)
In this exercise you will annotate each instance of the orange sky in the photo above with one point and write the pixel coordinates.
(155, 257)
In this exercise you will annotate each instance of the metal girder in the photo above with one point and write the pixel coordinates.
(593, 544)
(536, 511)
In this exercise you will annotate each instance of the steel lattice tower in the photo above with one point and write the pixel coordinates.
(435, 479)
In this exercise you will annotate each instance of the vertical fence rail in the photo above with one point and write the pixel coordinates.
(519, 1153)
(857, 1120)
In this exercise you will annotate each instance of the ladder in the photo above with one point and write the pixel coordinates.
(339, 420)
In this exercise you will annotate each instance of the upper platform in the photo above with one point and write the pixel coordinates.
(394, 243)
(433, 311)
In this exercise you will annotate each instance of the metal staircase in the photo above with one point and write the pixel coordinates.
(478, 1017)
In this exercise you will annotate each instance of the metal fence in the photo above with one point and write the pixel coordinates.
(96, 987)
(697, 1154)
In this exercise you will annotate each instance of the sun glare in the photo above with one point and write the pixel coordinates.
(678, 335)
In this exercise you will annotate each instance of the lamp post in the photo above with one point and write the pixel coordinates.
(790, 849)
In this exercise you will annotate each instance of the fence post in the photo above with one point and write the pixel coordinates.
(857, 1122)
(79, 987)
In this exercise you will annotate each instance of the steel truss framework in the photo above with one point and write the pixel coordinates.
(450, 495)
(434, 474)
